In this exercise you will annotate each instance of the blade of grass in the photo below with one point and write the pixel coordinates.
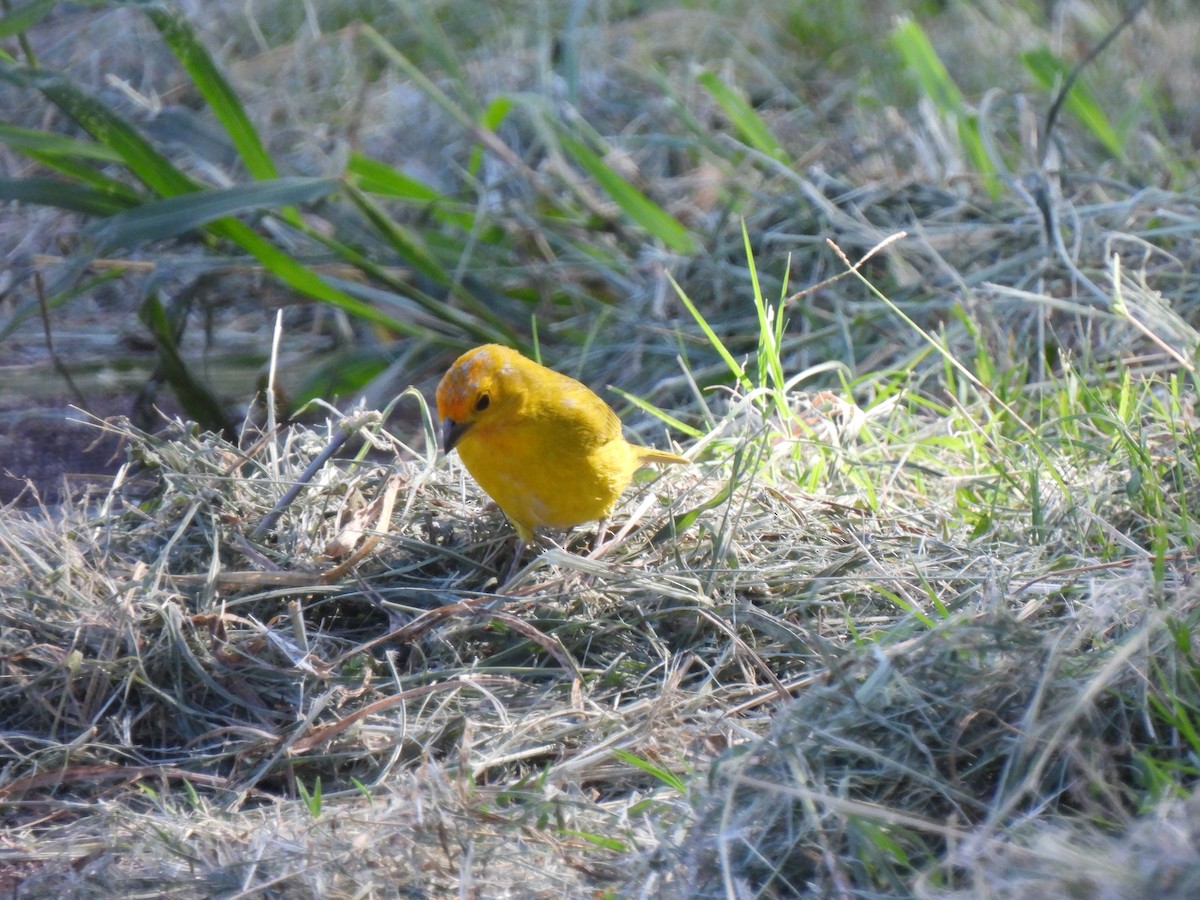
(65, 155)
(666, 418)
(174, 216)
(374, 177)
(179, 35)
(471, 122)
(750, 126)
(31, 141)
(917, 53)
(160, 175)
(919, 57)
(25, 17)
(1050, 71)
(734, 366)
(491, 119)
(61, 195)
(484, 324)
(121, 193)
(681, 522)
(405, 241)
(436, 46)
(379, 178)
(770, 335)
(666, 776)
(636, 205)
(393, 55)
(197, 400)
(97, 119)
(303, 279)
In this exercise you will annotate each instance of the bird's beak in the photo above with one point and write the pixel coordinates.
(451, 432)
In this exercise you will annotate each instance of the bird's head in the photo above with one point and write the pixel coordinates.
(475, 389)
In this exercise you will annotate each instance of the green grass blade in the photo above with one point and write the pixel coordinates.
(750, 126)
(174, 216)
(483, 325)
(681, 522)
(394, 56)
(46, 143)
(497, 111)
(405, 241)
(380, 178)
(159, 174)
(919, 57)
(373, 177)
(491, 119)
(67, 155)
(467, 114)
(734, 366)
(1050, 71)
(666, 776)
(976, 149)
(636, 205)
(436, 46)
(62, 195)
(179, 35)
(917, 53)
(666, 418)
(25, 18)
(85, 174)
(611, 844)
(767, 359)
(303, 279)
(110, 129)
(197, 400)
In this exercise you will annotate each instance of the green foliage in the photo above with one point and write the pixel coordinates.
(176, 216)
(749, 125)
(211, 82)
(922, 61)
(146, 197)
(312, 799)
(1050, 72)
(636, 205)
(668, 778)
(60, 194)
(24, 17)
(197, 400)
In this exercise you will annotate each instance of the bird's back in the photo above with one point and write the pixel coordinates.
(546, 448)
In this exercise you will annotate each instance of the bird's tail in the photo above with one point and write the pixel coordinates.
(647, 455)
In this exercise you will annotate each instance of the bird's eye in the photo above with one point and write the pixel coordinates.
(482, 403)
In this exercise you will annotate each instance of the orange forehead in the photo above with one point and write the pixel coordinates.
(471, 373)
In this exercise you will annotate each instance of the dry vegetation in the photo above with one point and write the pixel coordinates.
(918, 620)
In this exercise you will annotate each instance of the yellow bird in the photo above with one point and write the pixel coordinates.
(543, 446)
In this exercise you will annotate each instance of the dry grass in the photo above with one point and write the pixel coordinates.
(831, 684)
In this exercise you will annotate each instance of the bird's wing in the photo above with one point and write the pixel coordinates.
(582, 411)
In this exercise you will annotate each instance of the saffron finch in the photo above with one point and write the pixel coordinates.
(543, 446)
